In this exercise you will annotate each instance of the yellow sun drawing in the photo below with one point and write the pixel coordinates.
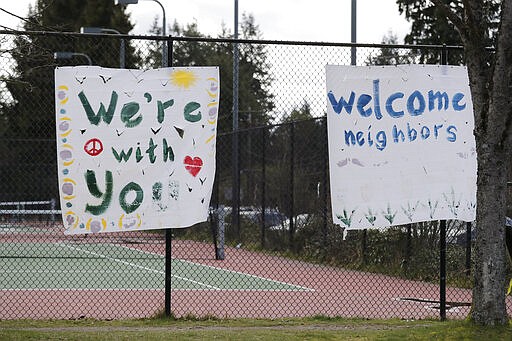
(183, 78)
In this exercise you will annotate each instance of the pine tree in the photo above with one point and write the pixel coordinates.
(28, 113)
(429, 25)
(391, 55)
(255, 100)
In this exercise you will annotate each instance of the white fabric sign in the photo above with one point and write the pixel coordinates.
(401, 145)
(135, 148)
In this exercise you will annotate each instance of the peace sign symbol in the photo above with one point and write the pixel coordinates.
(93, 147)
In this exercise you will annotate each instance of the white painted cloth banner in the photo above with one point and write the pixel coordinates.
(401, 145)
(135, 148)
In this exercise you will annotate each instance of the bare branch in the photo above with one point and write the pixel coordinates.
(453, 17)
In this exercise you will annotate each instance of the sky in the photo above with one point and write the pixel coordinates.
(297, 20)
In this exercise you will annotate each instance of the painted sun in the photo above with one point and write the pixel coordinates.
(183, 78)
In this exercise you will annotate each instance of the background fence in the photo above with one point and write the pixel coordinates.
(270, 248)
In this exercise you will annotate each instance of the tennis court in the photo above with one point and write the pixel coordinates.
(44, 274)
(64, 265)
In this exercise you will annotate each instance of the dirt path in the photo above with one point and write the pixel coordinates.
(221, 328)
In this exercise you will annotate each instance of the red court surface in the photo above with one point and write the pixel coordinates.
(327, 291)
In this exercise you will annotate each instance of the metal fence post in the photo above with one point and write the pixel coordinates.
(218, 221)
(325, 189)
(213, 216)
(169, 51)
(468, 248)
(168, 276)
(292, 183)
(364, 246)
(168, 232)
(353, 32)
(442, 271)
(235, 149)
(408, 248)
(442, 238)
(263, 174)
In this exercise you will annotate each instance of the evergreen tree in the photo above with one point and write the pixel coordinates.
(28, 112)
(391, 55)
(255, 100)
(308, 159)
(431, 27)
(34, 58)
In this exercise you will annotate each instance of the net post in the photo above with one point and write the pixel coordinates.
(214, 230)
(53, 206)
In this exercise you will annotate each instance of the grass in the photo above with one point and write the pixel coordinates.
(318, 328)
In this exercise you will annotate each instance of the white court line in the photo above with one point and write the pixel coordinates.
(137, 266)
(111, 258)
(249, 275)
(69, 271)
(77, 289)
(139, 289)
(142, 251)
(231, 271)
(145, 269)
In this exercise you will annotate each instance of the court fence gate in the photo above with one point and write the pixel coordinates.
(269, 249)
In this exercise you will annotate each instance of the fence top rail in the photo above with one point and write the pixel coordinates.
(12, 203)
(17, 211)
(229, 40)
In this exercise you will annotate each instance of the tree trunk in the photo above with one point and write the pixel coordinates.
(490, 79)
(490, 258)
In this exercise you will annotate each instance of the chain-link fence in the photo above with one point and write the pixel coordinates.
(270, 248)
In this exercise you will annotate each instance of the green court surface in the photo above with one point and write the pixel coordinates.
(53, 266)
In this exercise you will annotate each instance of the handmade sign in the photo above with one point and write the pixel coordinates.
(401, 145)
(135, 148)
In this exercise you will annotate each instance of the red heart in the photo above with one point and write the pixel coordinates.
(193, 166)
